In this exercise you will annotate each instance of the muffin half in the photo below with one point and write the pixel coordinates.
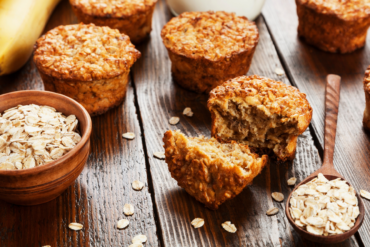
(259, 112)
(334, 25)
(210, 171)
(87, 63)
(131, 17)
(208, 48)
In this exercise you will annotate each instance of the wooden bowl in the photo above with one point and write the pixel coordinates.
(44, 183)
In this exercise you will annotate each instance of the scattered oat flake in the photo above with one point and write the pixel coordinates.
(272, 211)
(159, 155)
(279, 71)
(229, 227)
(75, 226)
(136, 245)
(137, 185)
(129, 135)
(46, 246)
(187, 112)
(365, 194)
(292, 181)
(122, 223)
(139, 239)
(174, 120)
(128, 209)
(279, 197)
(197, 222)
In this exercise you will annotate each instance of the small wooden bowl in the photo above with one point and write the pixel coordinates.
(44, 183)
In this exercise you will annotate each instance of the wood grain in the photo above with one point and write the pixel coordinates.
(307, 67)
(97, 197)
(159, 98)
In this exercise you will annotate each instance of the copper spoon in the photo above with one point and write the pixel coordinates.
(327, 169)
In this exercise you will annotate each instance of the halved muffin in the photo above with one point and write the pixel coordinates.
(259, 112)
(366, 119)
(131, 17)
(208, 48)
(88, 63)
(210, 171)
(334, 25)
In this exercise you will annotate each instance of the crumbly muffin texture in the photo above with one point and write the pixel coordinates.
(117, 8)
(259, 112)
(84, 52)
(211, 35)
(344, 9)
(210, 171)
(366, 81)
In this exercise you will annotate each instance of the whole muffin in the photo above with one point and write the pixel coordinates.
(88, 63)
(259, 112)
(366, 119)
(210, 171)
(334, 25)
(131, 17)
(207, 48)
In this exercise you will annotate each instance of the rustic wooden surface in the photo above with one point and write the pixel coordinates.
(163, 210)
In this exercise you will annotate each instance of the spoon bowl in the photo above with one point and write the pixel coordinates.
(327, 169)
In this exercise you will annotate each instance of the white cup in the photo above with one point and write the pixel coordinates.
(249, 8)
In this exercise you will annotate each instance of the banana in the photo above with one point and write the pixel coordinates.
(21, 23)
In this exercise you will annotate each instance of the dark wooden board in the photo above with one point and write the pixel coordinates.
(307, 67)
(97, 197)
(159, 98)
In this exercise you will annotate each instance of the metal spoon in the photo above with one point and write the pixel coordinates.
(327, 169)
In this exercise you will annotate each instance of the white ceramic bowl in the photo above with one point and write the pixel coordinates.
(249, 8)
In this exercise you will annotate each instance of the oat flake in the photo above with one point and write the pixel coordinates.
(159, 155)
(272, 211)
(129, 135)
(139, 239)
(174, 120)
(278, 196)
(122, 223)
(292, 181)
(75, 226)
(197, 222)
(137, 185)
(128, 209)
(229, 227)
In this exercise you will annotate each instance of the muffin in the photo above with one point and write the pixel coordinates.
(210, 171)
(366, 119)
(261, 113)
(208, 48)
(88, 63)
(131, 17)
(334, 25)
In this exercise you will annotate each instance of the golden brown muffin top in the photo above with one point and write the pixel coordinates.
(211, 35)
(117, 8)
(84, 52)
(273, 96)
(344, 9)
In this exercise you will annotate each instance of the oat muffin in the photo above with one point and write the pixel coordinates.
(334, 25)
(366, 119)
(210, 171)
(88, 63)
(208, 48)
(131, 17)
(260, 112)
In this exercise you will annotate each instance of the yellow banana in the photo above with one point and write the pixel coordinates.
(21, 23)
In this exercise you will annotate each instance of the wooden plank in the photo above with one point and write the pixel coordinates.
(97, 197)
(159, 98)
(308, 67)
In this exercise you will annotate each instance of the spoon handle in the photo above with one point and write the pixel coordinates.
(332, 92)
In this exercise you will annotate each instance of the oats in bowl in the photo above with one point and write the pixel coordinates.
(32, 135)
(324, 207)
(88, 63)
(131, 17)
(208, 48)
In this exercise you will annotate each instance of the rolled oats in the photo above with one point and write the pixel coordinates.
(272, 211)
(139, 239)
(229, 227)
(129, 135)
(122, 223)
(197, 222)
(187, 112)
(128, 209)
(324, 207)
(278, 196)
(136, 245)
(159, 155)
(365, 194)
(174, 120)
(292, 181)
(75, 226)
(33, 135)
(279, 71)
(137, 185)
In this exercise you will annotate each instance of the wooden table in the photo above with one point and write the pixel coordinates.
(163, 211)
